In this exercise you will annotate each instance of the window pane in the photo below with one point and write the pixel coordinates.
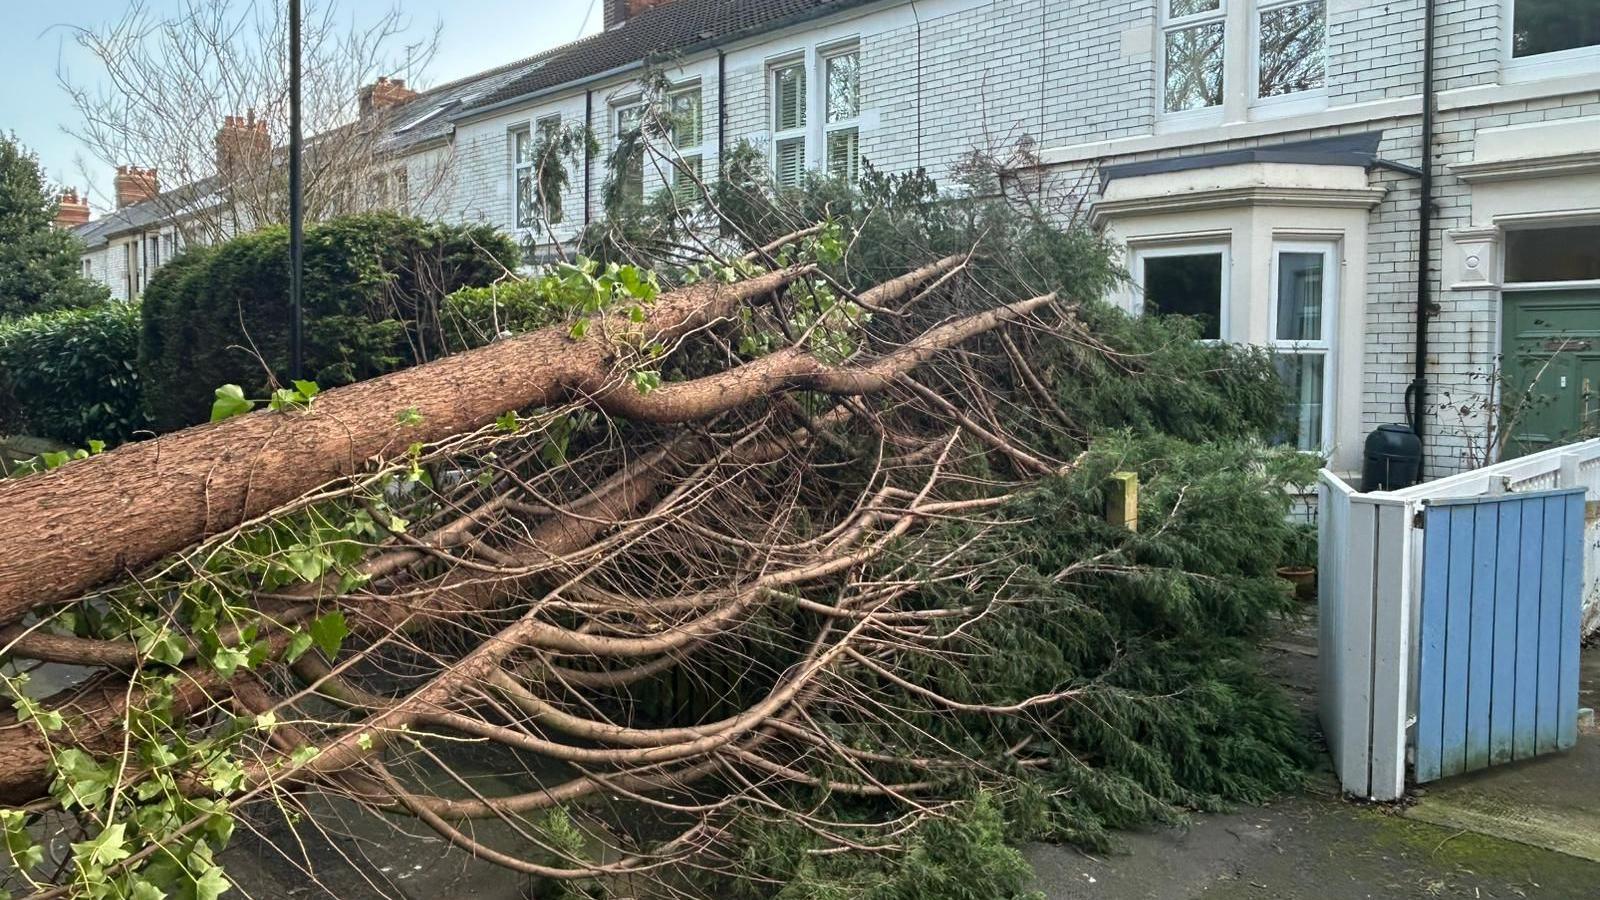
(1547, 26)
(1194, 67)
(789, 101)
(685, 175)
(1302, 375)
(523, 145)
(525, 201)
(789, 161)
(628, 119)
(1553, 254)
(1300, 284)
(1189, 285)
(686, 119)
(844, 87)
(844, 153)
(1191, 7)
(1293, 49)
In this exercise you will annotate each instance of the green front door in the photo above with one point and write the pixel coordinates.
(1552, 367)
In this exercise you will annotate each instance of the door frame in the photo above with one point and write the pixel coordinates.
(1506, 293)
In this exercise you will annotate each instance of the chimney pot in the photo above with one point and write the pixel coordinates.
(135, 184)
(72, 210)
(384, 94)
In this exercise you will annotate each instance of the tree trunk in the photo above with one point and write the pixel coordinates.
(71, 529)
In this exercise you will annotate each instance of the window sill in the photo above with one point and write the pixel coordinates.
(1519, 91)
(1566, 63)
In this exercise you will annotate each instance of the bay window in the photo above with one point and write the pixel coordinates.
(1222, 58)
(1302, 327)
(1189, 280)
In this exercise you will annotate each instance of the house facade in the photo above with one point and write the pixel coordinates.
(1317, 176)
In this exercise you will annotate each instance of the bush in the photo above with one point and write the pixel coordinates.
(373, 289)
(473, 316)
(70, 374)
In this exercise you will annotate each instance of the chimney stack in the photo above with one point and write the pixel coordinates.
(620, 11)
(135, 185)
(387, 93)
(243, 145)
(72, 211)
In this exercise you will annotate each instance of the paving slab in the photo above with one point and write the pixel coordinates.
(1551, 802)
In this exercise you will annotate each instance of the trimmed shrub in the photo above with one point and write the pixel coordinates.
(70, 374)
(374, 285)
(473, 316)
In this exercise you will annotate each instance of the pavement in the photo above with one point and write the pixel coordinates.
(1526, 830)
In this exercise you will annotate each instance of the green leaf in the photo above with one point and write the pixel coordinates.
(230, 402)
(227, 660)
(408, 417)
(508, 421)
(304, 754)
(211, 884)
(109, 847)
(144, 890)
(306, 389)
(328, 632)
(298, 645)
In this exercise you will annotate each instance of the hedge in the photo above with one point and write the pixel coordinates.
(70, 375)
(373, 288)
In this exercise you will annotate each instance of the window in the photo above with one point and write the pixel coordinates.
(377, 191)
(843, 106)
(631, 179)
(402, 189)
(687, 137)
(1302, 325)
(1185, 281)
(1570, 253)
(1225, 55)
(1291, 48)
(789, 122)
(524, 208)
(549, 132)
(1553, 26)
(1192, 45)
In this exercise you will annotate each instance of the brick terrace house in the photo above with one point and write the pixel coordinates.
(1277, 167)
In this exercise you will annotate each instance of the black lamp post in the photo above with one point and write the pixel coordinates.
(296, 203)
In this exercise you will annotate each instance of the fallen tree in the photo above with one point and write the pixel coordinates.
(759, 575)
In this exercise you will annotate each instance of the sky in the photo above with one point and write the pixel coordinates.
(37, 41)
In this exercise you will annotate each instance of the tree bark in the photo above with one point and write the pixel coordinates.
(71, 529)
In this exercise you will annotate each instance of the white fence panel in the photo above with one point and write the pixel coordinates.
(1369, 587)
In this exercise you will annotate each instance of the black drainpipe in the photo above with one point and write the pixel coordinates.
(1417, 392)
(722, 110)
(588, 125)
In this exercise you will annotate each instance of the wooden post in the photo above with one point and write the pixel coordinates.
(1122, 505)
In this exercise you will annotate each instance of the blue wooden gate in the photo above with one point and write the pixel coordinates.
(1502, 582)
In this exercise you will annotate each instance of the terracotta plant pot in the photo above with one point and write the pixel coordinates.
(1304, 579)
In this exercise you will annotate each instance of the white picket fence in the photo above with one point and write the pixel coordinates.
(1369, 594)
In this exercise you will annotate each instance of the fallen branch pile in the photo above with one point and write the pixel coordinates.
(732, 596)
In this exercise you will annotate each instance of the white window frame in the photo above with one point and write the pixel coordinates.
(1324, 347)
(1208, 115)
(802, 132)
(1241, 68)
(619, 110)
(541, 203)
(1189, 248)
(1558, 64)
(1299, 101)
(853, 123)
(516, 167)
(692, 155)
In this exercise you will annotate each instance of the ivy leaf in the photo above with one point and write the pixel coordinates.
(298, 645)
(508, 421)
(211, 884)
(306, 389)
(230, 402)
(328, 632)
(227, 660)
(409, 417)
(144, 890)
(107, 848)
